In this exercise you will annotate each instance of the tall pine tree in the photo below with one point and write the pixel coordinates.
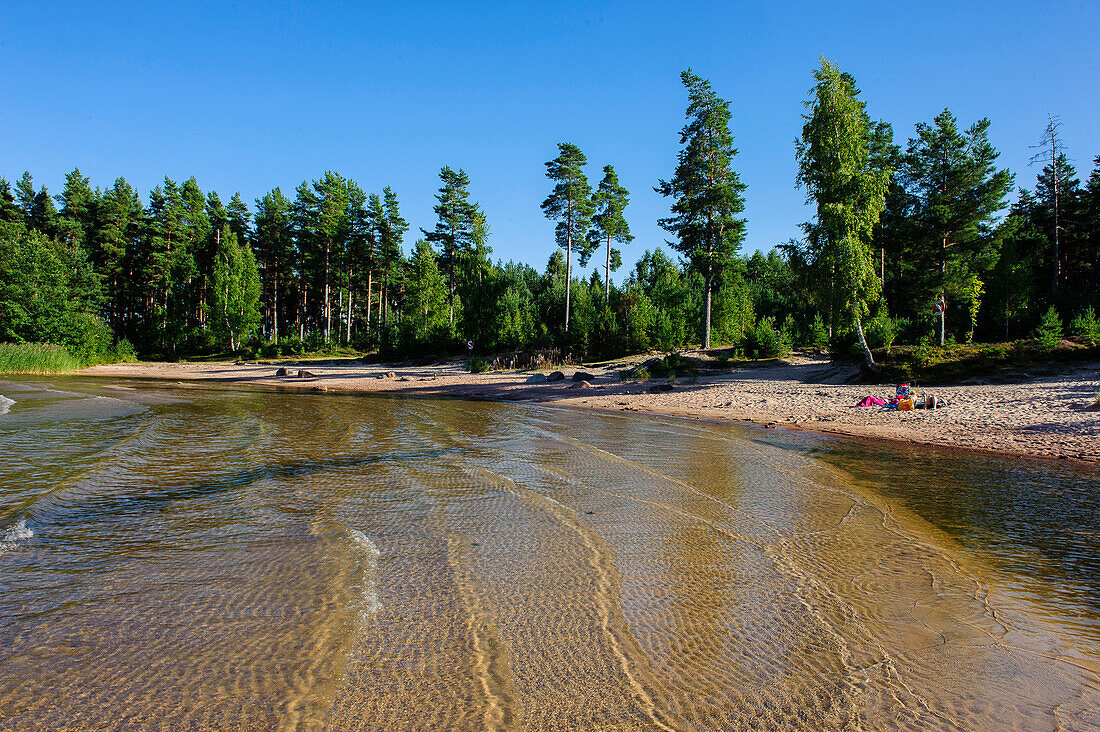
(570, 204)
(707, 191)
(609, 224)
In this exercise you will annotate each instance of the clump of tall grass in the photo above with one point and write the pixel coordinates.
(36, 358)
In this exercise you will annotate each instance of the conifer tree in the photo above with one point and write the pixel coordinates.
(609, 224)
(957, 191)
(118, 222)
(570, 204)
(453, 233)
(389, 245)
(275, 245)
(76, 218)
(837, 170)
(9, 211)
(707, 191)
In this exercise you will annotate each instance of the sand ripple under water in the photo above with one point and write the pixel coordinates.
(210, 559)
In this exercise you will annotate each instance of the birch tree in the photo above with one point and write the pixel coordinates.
(835, 167)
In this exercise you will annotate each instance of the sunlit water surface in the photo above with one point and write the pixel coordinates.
(175, 557)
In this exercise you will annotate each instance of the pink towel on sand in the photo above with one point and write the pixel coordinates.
(870, 401)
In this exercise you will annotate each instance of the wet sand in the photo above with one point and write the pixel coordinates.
(1049, 416)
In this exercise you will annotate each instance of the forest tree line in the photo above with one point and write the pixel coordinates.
(913, 241)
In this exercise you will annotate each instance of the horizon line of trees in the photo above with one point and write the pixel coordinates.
(913, 241)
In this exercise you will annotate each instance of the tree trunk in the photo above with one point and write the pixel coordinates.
(302, 312)
(348, 339)
(275, 303)
(868, 359)
(384, 304)
(451, 297)
(943, 293)
(370, 295)
(568, 279)
(328, 302)
(607, 275)
(706, 308)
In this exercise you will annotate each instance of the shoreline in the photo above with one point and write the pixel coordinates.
(1049, 417)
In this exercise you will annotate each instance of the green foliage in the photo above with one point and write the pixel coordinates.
(36, 358)
(608, 224)
(766, 341)
(1049, 332)
(425, 320)
(640, 374)
(882, 331)
(818, 336)
(1085, 326)
(842, 177)
(477, 365)
(235, 290)
(570, 205)
(87, 338)
(706, 191)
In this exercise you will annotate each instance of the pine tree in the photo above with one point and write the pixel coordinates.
(453, 234)
(274, 239)
(76, 218)
(389, 246)
(239, 217)
(958, 192)
(707, 191)
(1060, 198)
(608, 224)
(118, 223)
(9, 211)
(570, 204)
(837, 170)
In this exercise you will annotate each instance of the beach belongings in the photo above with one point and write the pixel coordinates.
(871, 401)
(905, 405)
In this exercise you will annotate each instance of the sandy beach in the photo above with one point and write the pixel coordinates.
(1048, 415)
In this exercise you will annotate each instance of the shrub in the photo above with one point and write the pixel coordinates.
(86, 337)
(639, 374)
(765, 341)
(882, 332)
(1049, 333)
(123, 352)
(477, 365)
(818, 337)
(1085, 327)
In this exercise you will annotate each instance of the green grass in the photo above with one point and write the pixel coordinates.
(36, 358)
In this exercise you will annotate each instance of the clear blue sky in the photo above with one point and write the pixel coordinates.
(247, 96)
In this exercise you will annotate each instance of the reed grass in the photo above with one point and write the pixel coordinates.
(36, 358)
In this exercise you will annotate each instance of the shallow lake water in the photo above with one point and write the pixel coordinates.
(196, 557)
